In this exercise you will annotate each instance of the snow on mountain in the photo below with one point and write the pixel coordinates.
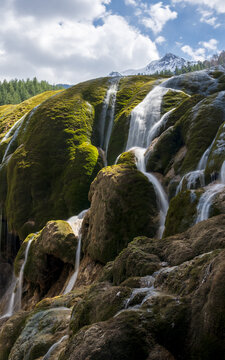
(168, 62)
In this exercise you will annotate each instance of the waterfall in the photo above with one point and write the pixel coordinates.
(16, 287)
(54, 346)
(144, 125)
(203, 161)
(144, 116)
(76, 223)
(15, 127)
(222, 173)
(160, 193)
(206, 198)
(107, 116)
(191, 178)
(146, 291)
(20, 279)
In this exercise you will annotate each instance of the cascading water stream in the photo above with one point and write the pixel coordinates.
(107, 117)
(197, 175)
(205, 200)
(144, 117)
(16, 287)
(76, 223)
(54, 346)
(160, 193)
(20, 279)
(144, 124)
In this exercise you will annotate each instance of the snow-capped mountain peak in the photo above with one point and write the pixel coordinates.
(168, 62)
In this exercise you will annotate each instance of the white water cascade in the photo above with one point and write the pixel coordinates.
(15, 127)
(160, 193)
(76, 223)
(53, 347)
(107, 117)
(144, 124)
(16, 288)
(147, 290)
(205, 200)
(192, 178)
(144, 117)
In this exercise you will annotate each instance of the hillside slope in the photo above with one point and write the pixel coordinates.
(137, 166)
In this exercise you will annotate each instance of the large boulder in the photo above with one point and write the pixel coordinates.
(123, 205)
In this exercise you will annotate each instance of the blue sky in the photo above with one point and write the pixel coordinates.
(74, 40)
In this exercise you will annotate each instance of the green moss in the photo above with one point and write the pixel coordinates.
(198, 128)
(171, 100)
(127, 158)
(217, 154)
(9, 114)
(101, 303)
(54, 157)
(123, 205)
(138, 259)
(10, 331)
(161, 157)
(182, 212)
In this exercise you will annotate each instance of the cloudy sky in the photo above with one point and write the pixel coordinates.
(68, 41)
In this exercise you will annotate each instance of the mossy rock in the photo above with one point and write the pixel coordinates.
(9, 114)
(123, 337)
(160, 158)
(217, 154)
(10, 331)
(127, 158)
(182, 212)
(54, 157)
(171, 100)
(102, 302)
(123, 205)
(41, 331)
(51, 249)
(138, 259)
(199, 127)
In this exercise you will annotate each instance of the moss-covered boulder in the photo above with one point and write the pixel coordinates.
(53, 155)
(10, 331)
(171, 100)
(123, 205)
(138, 259)
(101, 303)
(161, 157)
(41, 331)
(182, 212)
(51, 252)
(9, 114)
(217, 154)
(199, 127)
(204, 237)
(121, 338)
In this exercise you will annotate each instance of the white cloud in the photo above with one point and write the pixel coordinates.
(66, 50)
(131, 2)
(218, 5)
(85, 10)
(198, 54)
(210, 45)
(160, 40)
(208, 18)
(158, 15)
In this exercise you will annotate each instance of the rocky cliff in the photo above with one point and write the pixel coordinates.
(112, 197)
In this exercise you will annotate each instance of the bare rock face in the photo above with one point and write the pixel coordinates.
(123, 205)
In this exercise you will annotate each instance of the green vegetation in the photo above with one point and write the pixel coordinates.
(9, 114)
(15, 91)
